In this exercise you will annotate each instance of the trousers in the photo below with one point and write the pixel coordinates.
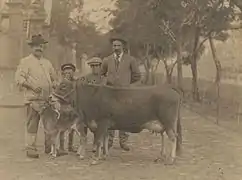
(123, 137)
(32, 125)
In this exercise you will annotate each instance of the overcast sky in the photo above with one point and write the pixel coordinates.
(98, 12)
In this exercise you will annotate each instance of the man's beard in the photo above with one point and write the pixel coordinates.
(38, 53)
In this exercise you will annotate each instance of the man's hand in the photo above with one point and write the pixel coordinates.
(55, 84)
(28, 86)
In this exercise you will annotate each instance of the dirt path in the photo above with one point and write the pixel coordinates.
(210, 153)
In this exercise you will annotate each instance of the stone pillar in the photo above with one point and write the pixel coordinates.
(34, 22)
(10, 38)
(36, 18)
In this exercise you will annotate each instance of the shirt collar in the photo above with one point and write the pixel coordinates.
(120, 56)
(35, 57)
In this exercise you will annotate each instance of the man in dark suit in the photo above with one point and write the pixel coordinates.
(121, 69)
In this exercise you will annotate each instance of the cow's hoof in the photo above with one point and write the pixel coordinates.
(53, 155)
(169, 161)
(95, 162)
(160, 159)
(81, 157)
(105, 157)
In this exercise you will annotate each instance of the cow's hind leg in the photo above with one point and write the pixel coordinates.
(105, 145)
(163, 149)
(173, 143)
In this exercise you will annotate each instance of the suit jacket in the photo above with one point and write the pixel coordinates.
(123, 73)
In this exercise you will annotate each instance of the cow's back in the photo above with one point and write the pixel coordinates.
(124, 105)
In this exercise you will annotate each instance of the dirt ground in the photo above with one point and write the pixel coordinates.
(210, 152)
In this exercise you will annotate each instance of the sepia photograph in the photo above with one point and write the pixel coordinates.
(116, 89)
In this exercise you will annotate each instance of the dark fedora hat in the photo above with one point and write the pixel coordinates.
(68, 66)
(37, 40)
(118, 38)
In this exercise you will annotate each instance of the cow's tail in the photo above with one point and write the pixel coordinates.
(179, 128)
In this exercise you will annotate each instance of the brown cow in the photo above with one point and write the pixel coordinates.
(132, 109)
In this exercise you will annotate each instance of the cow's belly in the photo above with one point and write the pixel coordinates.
(154, 125)
(136, 126)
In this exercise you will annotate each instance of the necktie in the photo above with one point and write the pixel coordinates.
(117, 59)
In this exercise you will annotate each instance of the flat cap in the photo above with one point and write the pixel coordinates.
(95, 60)
(68, 66)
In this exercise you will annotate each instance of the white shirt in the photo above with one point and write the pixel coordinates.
(38, 73)
(120, 56)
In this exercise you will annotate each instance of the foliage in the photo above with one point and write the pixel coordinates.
(70, 26)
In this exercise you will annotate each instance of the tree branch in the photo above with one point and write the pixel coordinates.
(203, 41)
(173, 65)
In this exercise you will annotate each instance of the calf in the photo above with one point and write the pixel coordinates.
(57, 118)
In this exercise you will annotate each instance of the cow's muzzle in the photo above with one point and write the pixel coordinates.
(55, 105)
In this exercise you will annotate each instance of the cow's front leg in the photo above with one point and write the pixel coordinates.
(81, 152)
(100, 135)
(80, 129)
(97, 157)
(54, 139)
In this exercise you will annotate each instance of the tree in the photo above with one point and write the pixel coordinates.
(199, 18)
(70, 27)
(146, 40)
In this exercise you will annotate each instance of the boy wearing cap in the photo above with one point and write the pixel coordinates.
(67, 72)
(94, 78)
(36, 76)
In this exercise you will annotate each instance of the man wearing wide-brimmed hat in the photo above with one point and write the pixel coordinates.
(121, 69)
(36, 76)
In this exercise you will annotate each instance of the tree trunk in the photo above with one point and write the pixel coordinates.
(218, 75)
(195, 90)
(179, 63)
(168, 77)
